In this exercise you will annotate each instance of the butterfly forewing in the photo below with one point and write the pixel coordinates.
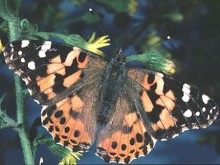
(66, 80)
(52, 70)
(172, 107)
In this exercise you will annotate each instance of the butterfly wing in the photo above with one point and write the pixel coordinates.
(169, 106)
(52, 70)
(65, 80)
(125, 137)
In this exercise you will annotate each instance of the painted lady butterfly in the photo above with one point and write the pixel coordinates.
(79, 90)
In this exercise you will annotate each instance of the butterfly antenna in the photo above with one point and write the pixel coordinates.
(98, 26)
(158, 42)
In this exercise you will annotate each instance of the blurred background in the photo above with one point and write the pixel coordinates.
(134, 26)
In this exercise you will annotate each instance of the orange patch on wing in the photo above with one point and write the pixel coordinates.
(85, 137)
(166, 119)
(105, 143)
(160, 125)
(148, 106)
(48, 91)
(62, 102)
(154, 127)
(129, 119)
(73, 78)
(52, 68)
(76, 103)
(170, 95)
(46, 82)
(51, 95)
(166, 102)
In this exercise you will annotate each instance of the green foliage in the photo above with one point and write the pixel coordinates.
(9, 9)
(175, 16)
(154, 60)
(115, 5)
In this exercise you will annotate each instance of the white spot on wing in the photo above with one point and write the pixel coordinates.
(42, 54)
(20, 53)
(46, 45)
(185, 97)
(187, 113)
(22, 60)
(31, 65)
(203, 109)
(208, 117)
(197, 113)
(43, 109)
(175, 135)
(25, 43)
(205, 99)
(186, 89)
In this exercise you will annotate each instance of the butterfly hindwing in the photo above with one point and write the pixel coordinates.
(72, 121)
(170, 106)
(51, 70)
(125, 137)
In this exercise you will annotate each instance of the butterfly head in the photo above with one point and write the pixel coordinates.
(119, 59)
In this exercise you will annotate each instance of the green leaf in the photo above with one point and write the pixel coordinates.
(175, 16)
(154, 60)
(68, 156)
(9, 8)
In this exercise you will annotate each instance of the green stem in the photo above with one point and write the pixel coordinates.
(25, 143)
(13, 26)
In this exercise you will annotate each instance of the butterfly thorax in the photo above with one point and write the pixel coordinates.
(113, 83)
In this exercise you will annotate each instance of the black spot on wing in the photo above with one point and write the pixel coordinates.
(82, 56)
(76, 133)
(114, 144)
(58, 86)
(73, 68)
(151, 78)
(58, 114)
(155, 113)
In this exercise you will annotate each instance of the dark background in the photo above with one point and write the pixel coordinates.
(133, 25)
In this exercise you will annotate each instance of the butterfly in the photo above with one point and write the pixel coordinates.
(80, 90)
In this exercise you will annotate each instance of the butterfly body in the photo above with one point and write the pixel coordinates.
(113, 82)
(79, 90)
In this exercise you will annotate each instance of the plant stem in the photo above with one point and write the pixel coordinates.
(25, 143)
(13, 26)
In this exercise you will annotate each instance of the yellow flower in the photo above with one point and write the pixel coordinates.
(95, 44)
(70, 159)
(132, 6)
(1, 46)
